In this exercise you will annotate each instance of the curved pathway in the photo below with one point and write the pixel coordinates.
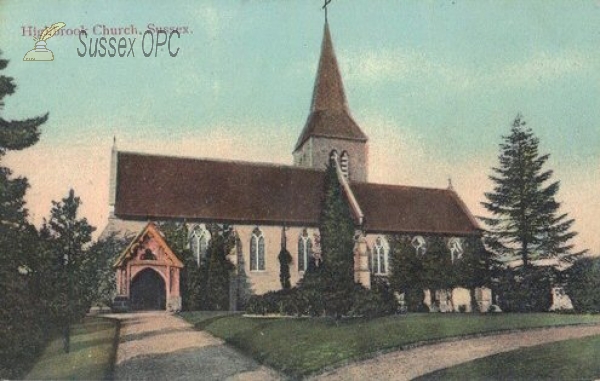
(161, 346)
(408, 364)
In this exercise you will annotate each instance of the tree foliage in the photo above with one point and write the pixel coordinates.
(525, 221)
(336, 228)
(70, 266)
(193, 274)
(205, 284)
(329, 286)
(413, 271)
(583, 285)
(102, 255)
(219, 267)
(21, 315)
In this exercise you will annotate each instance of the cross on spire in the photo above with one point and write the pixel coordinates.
(325, 7)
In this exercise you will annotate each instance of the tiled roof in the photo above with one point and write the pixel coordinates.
(402, 209)
(154, 187)
(159, 187)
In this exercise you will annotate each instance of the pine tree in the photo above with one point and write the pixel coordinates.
(22, 314)
(67, 237)
(14, 135)
(525, 221)
(336, 228)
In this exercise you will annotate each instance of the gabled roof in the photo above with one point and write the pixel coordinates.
(329, 112)
(402, 209)
(153, 187)
(158, 187)
(152, 231)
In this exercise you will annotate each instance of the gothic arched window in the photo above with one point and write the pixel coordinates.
(345, 164)
(305, 251)
(380, 256)
(455, 246)
(420, 245)
(257, 250)
(199, 240)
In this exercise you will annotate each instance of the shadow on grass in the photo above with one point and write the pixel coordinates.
(92, 355)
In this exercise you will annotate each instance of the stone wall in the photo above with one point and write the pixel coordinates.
(316, 150)
(266, 280)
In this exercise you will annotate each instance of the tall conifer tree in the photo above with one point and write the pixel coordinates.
(337, 234)
(525, 221)
(21, 314)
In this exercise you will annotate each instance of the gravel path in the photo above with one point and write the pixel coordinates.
(160, 346)
(408, 364)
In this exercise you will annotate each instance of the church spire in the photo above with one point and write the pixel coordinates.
(328, 93)
(329, 112)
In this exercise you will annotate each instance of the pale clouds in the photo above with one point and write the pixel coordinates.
(210, 20)
(397, 65)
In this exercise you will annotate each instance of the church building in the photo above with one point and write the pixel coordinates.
(265, 201)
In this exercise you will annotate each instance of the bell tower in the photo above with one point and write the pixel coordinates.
(330, 131)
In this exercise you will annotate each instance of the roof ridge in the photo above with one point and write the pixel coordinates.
(219, 160)
(445, 190)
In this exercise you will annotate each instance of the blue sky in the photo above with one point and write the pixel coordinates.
(434, 84)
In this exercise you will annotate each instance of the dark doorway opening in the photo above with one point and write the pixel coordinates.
(148, 291)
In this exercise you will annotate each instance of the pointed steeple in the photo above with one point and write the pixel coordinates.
(328, 92)
(329, 112)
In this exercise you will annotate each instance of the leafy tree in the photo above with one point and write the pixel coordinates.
(219, 267)
(474, 268)
(525, 221)
(526, 289)
(583, 285)
(102, 255)
(405, 269)
(67, 239)
(193, 274)
(21, 317)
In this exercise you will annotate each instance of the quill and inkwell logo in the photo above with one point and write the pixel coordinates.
(41, 52)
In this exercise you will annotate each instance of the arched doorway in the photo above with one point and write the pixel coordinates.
(148, 291)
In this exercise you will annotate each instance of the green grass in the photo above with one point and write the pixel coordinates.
(92, 354)
(300, 347)
(577, 359)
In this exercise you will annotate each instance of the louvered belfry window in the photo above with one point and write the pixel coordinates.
(345, 164)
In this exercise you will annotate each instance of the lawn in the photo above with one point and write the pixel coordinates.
(92, 355)
(576, 359)
(299, 347)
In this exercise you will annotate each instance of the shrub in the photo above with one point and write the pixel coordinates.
(378, 301)
(302, 301)
(414, 298)
(526, 290)
(583, 285)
